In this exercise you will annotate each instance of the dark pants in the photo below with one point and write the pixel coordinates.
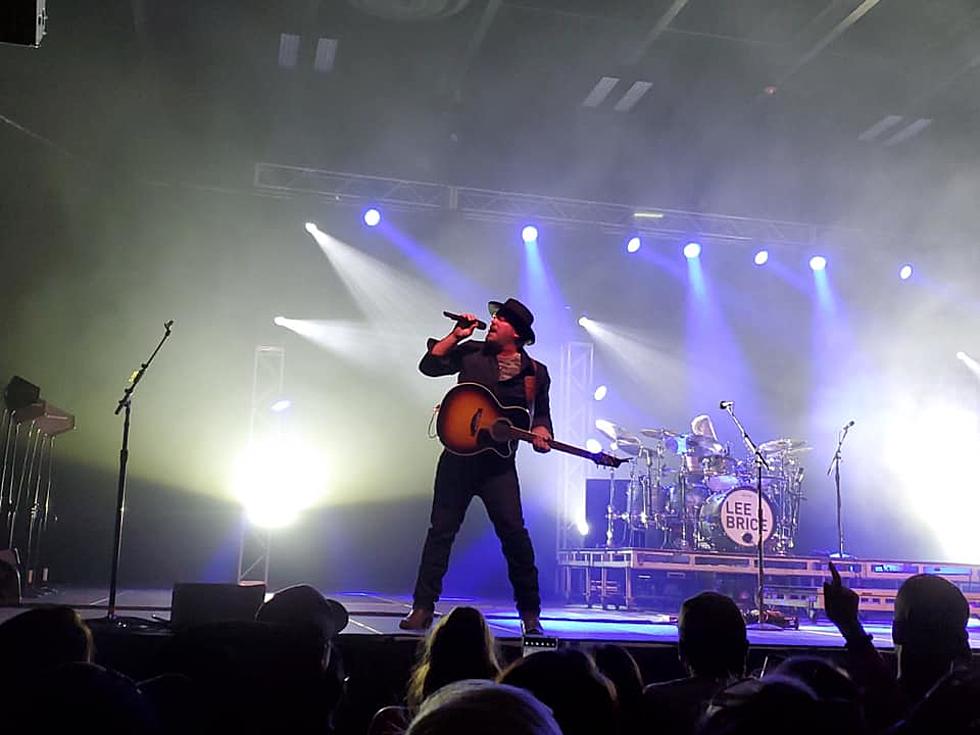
(494, 480)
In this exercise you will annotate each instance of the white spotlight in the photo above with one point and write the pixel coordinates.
(584, 321)
(593, 445)
(762, 257)
(279, 321)
(312, 228)
(600, 392)
(281, 405)
(961, 356)
(277, 480)
(818, 263)
(582, 526)
(905, 273)
(529, 234)
(633, 245)
(692, 250)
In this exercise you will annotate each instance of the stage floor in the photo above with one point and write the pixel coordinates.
(378, 614)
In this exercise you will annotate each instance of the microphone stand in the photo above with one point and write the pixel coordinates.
(760, 462)
(126, 406)
(835, 466)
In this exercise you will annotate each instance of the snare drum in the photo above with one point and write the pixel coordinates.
(730, 521)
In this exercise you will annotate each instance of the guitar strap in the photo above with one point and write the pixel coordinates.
(531, 386)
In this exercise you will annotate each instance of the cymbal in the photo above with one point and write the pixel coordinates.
(659, 433)
(784, 446)
(629, 445)
(615, 432)
(704, 446)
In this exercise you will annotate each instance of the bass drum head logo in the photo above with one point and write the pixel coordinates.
(739, 517)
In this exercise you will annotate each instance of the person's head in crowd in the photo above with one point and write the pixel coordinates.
(43, 638)
(460, 646)
(84, 697)
(480, 707)
(617, 665)
(929, 631)
(711, 637)
(581, 698)
(838, 694)
(302, 604)
(951, 706)
(758, 705)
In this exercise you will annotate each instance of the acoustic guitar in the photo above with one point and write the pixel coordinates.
(471, 421)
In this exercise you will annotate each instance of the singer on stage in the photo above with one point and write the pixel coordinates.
(501, 364)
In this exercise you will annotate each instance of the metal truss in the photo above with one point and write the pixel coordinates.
(356, 189)
(267, 382)
(575, 419)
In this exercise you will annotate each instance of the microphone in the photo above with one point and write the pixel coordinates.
(725, 405)
(849, 424)
(463, 321)
(168, 325)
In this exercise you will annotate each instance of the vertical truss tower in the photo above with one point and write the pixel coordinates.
(576, 419)
(264, 425)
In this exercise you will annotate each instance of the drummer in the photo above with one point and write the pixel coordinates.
(701, 426)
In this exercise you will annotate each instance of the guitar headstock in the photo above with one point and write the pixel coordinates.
(607, 460)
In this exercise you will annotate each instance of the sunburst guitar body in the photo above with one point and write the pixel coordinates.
(472, 421)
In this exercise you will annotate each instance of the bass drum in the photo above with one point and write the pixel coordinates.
(730, 521)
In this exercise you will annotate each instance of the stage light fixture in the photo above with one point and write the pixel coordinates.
(692, 250)
(593, 445)
(633, 245)
(281, 405)
(762, 257)
(582, 526)
(276, 480)
(961, 356)
(600, 392)
(905, 272)
(818, 263)
(279, 321)
(372, 217)
(584, 321)
(529, 234)
(312, 228)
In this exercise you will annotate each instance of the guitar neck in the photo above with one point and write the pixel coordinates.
(553, 443)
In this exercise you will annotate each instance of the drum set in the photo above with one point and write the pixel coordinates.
(689, 491)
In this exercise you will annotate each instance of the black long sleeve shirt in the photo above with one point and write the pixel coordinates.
(476, 364)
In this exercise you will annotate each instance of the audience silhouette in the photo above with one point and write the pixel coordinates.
(712, 646)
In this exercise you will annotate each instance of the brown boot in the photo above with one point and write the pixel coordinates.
(531, 624)
(418, 619)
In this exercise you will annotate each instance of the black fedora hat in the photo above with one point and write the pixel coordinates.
(519, 316)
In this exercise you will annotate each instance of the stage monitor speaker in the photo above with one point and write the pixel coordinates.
(197, 603)
(22, 22)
